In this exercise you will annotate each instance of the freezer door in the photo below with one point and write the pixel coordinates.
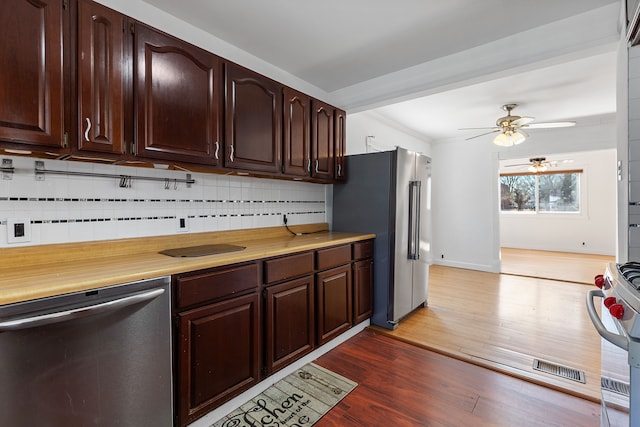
(403, 264)
(421, 264)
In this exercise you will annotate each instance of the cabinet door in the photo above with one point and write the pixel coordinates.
(362, 290)
(297, 133)
(289, 317)
(253, 121)
(33, 71)
(322, 145)
(100, 78)
(340, 145)
(334, 290)
(219, 354)
(177, 99)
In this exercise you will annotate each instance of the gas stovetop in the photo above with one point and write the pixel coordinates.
(621, 286)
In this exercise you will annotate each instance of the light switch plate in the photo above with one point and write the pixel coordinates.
(18, 230)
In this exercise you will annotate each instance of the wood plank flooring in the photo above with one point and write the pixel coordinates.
(503, 322)
(404, 385)
(563, 266)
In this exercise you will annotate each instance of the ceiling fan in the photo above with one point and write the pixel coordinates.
(511, 128)
(540, 164)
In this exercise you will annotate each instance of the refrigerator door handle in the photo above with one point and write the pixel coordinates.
(414, 220)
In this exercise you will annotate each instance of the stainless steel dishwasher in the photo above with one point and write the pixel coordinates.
(95, 358)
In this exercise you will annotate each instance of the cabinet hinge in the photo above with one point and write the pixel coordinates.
(133, 148)
(132, 28)
(65, 4)
(65, 140)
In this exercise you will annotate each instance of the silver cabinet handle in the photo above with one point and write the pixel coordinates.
(86, 132)
(217, 149)
(316, 165)
(231, 154)
(76, 313)
(339, 169)
(309, 165)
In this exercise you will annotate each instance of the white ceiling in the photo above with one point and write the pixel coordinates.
(370, 54)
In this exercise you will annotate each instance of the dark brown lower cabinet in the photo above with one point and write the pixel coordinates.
(362, 290)
(334, 302)
(219, 348)
(289, 322)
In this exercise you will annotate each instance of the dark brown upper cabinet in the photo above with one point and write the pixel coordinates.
(34, 74)
(297, 134)
(322, 142)
(102, 70)
(177, 98)
(340, 123)
(253, 121)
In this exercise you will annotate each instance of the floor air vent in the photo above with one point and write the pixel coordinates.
(615, 386)
(559, 370)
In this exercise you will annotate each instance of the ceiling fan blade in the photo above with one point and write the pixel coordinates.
(558, 162)
(519, 164)
(548, 125)
(492, 127)
(482, 134)
(522, 121)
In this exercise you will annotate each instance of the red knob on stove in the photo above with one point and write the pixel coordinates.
(609, 301)
(599, 281)
(617, 311)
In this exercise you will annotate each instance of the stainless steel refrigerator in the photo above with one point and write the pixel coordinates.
(389, 193)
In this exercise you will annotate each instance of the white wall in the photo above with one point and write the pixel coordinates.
(591, 231)
(386, 135)
(465, 227)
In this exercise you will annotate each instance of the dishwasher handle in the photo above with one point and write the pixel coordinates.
(76, 313)
(616, 339)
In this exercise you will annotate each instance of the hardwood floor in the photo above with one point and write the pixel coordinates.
(503, 322)
(467, 358)
(404, 385)
(562, 266)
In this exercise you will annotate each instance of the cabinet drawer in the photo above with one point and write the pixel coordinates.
(211, 285)
(362, 250)
(288, 267)
(333, 257)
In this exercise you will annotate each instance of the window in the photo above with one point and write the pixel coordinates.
(540, 192)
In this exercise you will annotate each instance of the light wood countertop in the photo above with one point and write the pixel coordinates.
(35, 272)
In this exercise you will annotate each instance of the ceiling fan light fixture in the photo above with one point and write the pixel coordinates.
(509, 138)
(535, 168)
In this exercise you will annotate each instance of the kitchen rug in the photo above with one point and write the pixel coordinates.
(298, 400)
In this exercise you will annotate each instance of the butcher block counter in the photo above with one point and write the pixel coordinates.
(31, 272)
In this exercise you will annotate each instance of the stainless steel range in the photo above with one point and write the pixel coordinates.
(619, 326)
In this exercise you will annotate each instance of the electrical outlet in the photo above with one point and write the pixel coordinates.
(183, 225)
(18, 230)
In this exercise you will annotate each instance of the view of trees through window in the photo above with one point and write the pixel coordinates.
(542, 192)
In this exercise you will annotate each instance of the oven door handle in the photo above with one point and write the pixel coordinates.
(76, 313)
(616, 339)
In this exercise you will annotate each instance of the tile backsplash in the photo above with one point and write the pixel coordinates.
(74, 208)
